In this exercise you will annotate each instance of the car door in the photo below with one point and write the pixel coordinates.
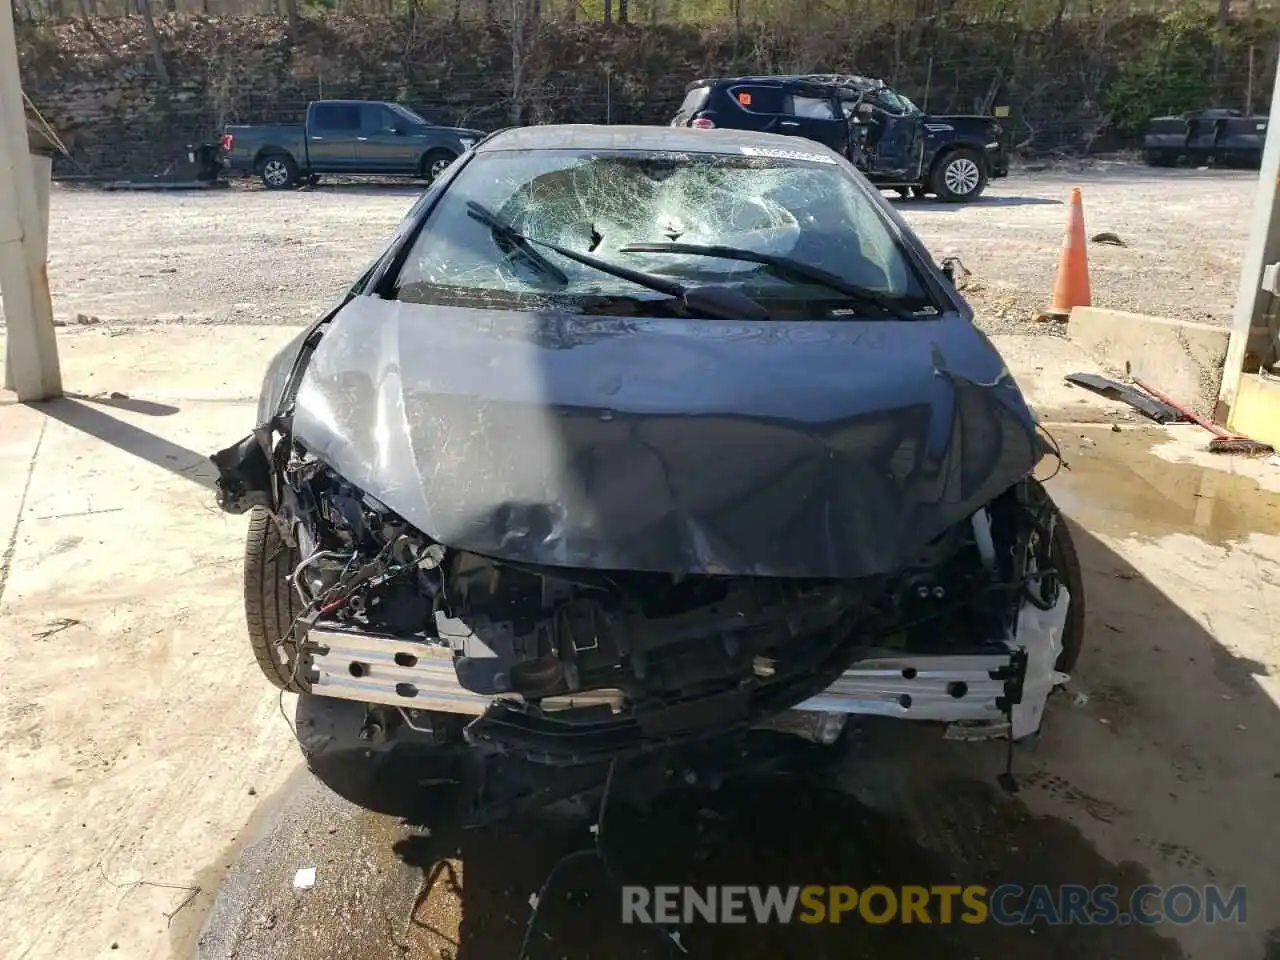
(760, 107)
(815, 116)
(386, 143)
(899, 142)
(331, 136)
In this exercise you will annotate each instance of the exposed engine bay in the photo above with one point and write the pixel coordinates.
(568, 665)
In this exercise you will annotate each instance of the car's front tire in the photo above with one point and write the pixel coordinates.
(959, 177)
(1071, 576)
(271, 605)
(1066, 564)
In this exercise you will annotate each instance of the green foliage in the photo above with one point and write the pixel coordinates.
(1170, 76)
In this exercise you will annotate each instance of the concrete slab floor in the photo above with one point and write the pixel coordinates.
(140, 741)
(137, 736)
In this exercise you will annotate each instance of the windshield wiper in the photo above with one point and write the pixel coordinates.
(721, 302)
(783, 267)
(517, 240)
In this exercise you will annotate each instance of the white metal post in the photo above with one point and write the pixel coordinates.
(1263, 249)
(31, 362)
(41, 173)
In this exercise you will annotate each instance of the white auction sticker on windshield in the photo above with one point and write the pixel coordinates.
(786, 154)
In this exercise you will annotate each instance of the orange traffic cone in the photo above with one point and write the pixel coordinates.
(1071, 289)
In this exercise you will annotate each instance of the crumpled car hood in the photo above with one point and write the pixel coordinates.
(773, 449)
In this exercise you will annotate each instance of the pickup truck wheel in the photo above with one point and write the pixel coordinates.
(1160, 158)
(959, 177)
(271, 604)
(435, 163)
(278, 171)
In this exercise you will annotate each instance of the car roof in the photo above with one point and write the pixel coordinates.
(594, 136)
(850, 81)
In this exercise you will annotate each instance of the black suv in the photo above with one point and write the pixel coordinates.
(889, 138)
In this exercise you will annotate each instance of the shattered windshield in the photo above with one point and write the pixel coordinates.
(898, 104)
(806, 211)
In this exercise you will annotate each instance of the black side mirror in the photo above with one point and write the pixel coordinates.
(396, 130)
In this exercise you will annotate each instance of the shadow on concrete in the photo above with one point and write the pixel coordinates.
(121, 401)
(140, 443)
(892, 804)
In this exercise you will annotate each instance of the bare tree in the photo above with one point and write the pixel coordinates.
(623, 10)
(1224, 19)
(295, 20)
(153, 40)
(608, 11)
(520, 10)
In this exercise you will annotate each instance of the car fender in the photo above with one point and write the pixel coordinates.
(937, 151)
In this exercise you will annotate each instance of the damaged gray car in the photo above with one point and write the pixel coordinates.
(638, 437)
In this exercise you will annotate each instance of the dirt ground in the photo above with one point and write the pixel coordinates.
(154, 801)
(245, 255)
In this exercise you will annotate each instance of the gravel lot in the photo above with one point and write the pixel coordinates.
(246, 255)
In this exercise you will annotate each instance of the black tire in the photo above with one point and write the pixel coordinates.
(1160, 158)
(434, 162)
(959, 176)
(271, 604)
(278, 171)
(1068, 563)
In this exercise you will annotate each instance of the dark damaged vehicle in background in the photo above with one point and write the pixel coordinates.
(636, 437)
(891, 140)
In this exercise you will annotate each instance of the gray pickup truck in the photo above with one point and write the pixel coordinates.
(345, 137)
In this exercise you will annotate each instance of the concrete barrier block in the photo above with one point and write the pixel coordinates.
(1256, 412)
(1183, 360)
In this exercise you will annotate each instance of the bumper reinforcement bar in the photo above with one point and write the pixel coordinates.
(418, 676)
